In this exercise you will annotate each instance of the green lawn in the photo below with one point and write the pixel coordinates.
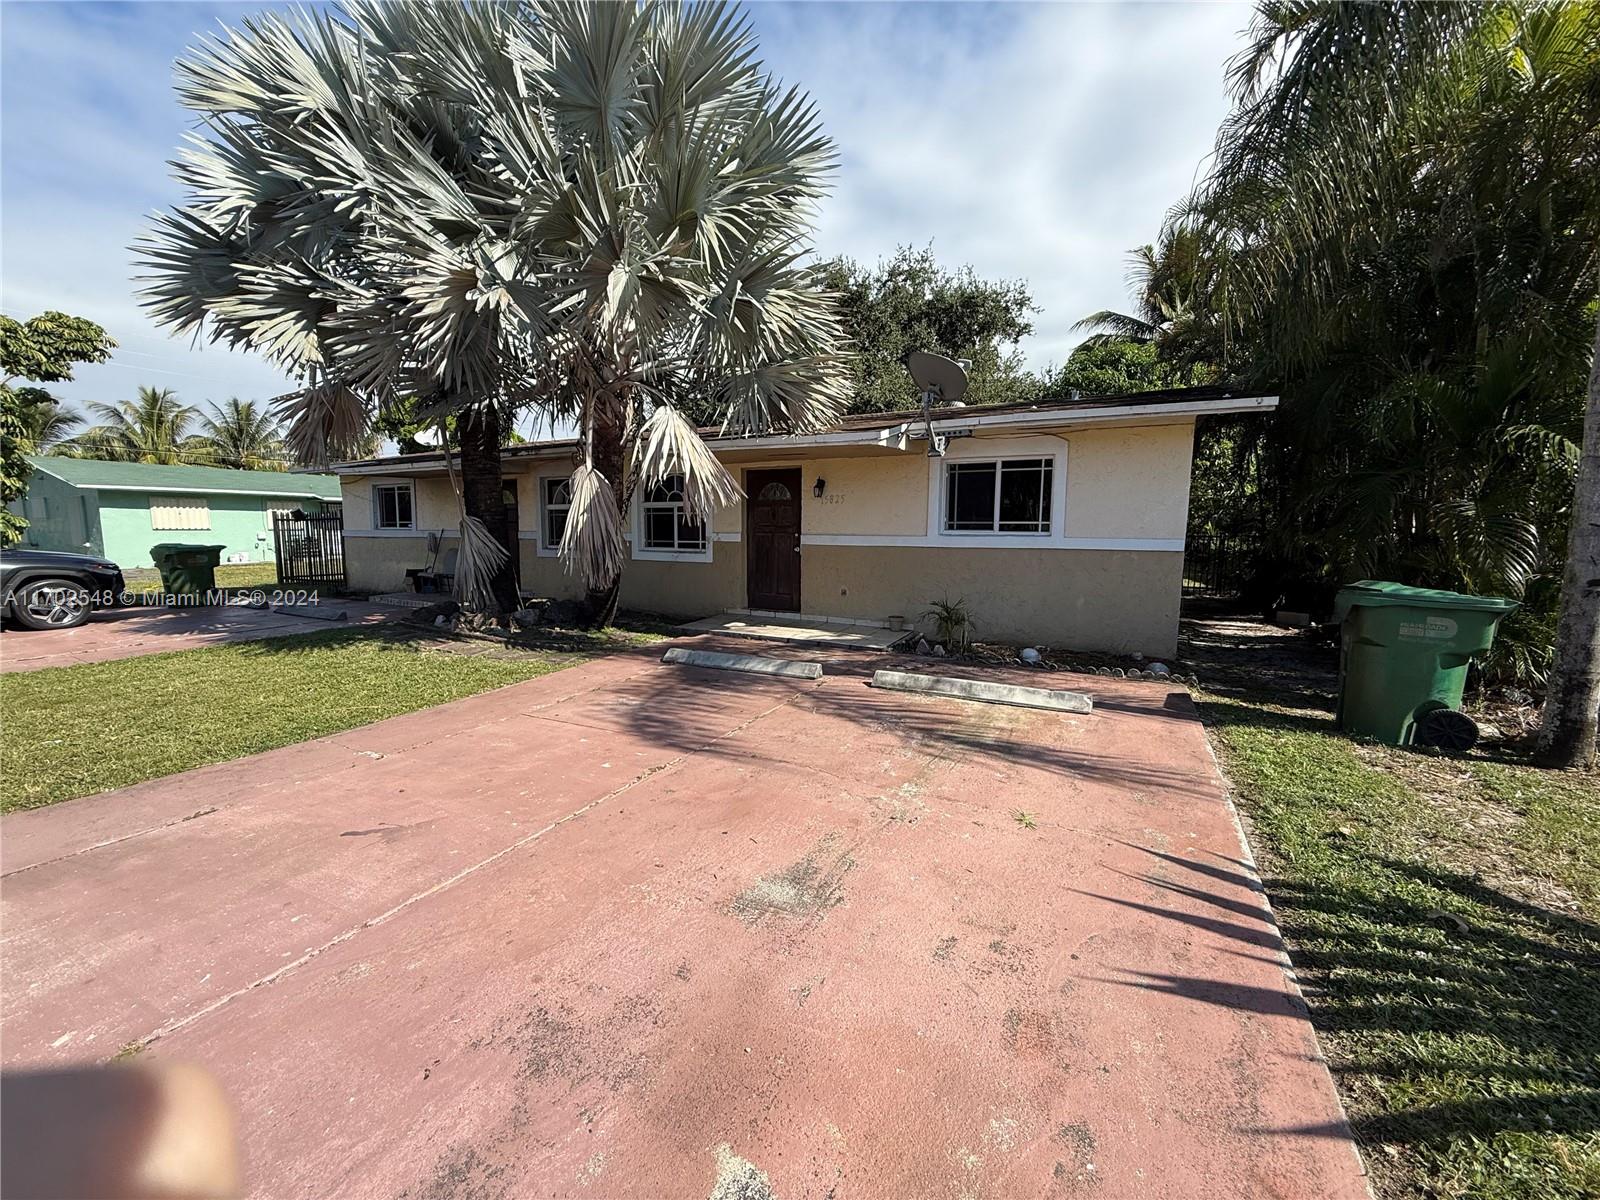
(1442, 916)
(229, 575)
(71, 731)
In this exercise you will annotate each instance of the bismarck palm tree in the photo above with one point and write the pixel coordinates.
(241, 433)
(597, 211)
(151, 429)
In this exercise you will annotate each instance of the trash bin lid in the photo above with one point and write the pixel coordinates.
(1374, 593)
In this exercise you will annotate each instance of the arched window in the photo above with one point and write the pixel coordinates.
(775, 491)
(667, 523)
(557, 502)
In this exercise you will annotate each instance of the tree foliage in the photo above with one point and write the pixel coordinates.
(1115, 366)
(1401, 229)
(154, 428)
(912, 302)
(1399, 233)
(239, 433)
(43, 349)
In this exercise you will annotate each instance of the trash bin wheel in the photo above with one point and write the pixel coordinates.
(1446, 729)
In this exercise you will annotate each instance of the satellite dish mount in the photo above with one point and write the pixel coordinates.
(942, 382)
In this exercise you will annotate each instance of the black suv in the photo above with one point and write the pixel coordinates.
(41, 589)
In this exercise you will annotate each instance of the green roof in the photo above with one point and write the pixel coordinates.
(141, 477)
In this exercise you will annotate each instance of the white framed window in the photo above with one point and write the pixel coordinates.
(393, 506)
(555, 502)
(998, 496)
(665, 528)
(180, 512)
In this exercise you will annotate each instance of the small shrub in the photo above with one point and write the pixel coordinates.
(952, 624)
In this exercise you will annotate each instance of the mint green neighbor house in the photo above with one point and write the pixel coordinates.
(118, 510)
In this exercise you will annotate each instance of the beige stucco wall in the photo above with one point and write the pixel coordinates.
(435, 502)
(884, 495)
(1129, 483)
(1123, 485)
(1120, 601)
(373, 564)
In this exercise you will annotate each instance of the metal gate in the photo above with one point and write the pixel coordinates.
(310, 549)
(1214, 567)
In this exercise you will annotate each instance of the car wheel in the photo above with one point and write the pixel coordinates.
(51, 604)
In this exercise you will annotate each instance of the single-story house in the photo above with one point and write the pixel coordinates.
(1059, 522)
(118, 510)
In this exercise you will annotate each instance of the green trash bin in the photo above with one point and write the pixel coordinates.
(1403, 661)
(187, 570)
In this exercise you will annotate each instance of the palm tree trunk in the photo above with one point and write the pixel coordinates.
(600, 603)
(482, 491)
(1572, 705)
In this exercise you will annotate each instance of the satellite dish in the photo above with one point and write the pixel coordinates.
(937, 377)
(941, 381)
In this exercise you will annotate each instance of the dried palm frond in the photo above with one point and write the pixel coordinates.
(670, 445)
(592, 546)
(323, 422)
(480, 559)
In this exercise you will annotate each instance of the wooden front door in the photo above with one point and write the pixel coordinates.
(772, 510)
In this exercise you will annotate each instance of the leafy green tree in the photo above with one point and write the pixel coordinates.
(240, 433)
(1114, 366)
(1400, 233)
(912, 302)
(595, 211)
(43, 349)
(152, 429)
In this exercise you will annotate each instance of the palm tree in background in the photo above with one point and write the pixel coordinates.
(593, 213)
(151, 429)
(240, 433)
(48, 426)
(1166, 282)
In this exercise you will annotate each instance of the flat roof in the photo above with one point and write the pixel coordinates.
(876, 427)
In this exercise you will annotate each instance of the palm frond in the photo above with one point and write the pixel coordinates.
(669, 444)
(323, 422)
(592, 548)
(479, 560)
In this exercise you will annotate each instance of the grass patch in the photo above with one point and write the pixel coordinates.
(1442, 915)
(73, 731)
(229, 575)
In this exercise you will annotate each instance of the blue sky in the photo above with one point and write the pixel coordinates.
(1036, 141)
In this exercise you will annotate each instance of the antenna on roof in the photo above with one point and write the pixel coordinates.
(942, 382)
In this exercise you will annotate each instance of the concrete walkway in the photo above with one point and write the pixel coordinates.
(132, 632)
(642, 930)
(791, 627)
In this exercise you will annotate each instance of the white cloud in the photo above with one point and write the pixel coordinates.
(1039, 142)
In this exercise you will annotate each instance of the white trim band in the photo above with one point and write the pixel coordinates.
(1021, 541)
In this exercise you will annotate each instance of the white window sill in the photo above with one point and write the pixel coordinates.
(995, 534)
(674, 555)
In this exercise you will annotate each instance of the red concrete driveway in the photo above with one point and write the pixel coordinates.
(132, 632)
(638, 930)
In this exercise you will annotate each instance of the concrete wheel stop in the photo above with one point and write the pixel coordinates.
(984, 690)
(751, 664)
